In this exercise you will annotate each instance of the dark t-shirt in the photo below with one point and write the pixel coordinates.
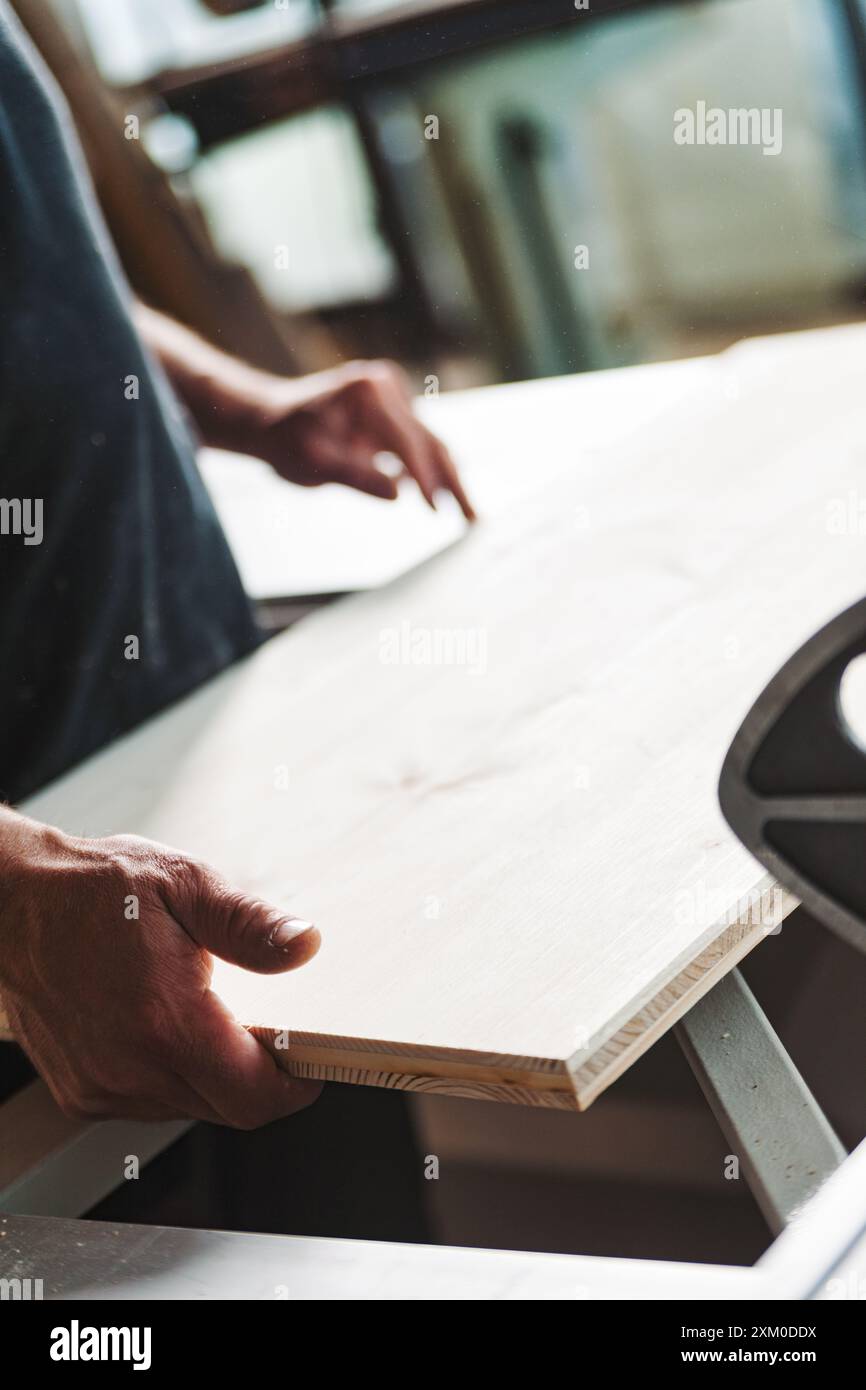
(129, 596)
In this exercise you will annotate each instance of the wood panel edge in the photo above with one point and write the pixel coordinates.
(592, 1075)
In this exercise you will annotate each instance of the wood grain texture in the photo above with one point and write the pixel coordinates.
(513, 848)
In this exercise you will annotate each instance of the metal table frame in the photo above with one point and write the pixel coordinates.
(821, 1255)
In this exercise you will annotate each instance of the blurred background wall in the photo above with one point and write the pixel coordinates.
(413, 179)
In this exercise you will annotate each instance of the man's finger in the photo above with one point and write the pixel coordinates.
(401, 433)
(235, 1075)
(448, 476)
(241, 929)
(181, 1103)
(356, 468)
(139, 1092)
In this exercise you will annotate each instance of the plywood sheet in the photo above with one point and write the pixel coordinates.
(492, 783)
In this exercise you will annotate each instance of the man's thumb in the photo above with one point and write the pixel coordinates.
(244, 930)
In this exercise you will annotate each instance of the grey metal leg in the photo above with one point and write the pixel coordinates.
(784, 1142)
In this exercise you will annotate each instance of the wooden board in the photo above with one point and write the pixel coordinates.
(513, 850)
(276, 532)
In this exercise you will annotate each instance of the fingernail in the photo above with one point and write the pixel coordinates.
(287, 931)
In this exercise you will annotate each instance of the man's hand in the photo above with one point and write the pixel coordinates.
(332, 427)
(329, 427)
(114, 1008)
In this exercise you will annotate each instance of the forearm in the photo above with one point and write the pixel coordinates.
(220, 392)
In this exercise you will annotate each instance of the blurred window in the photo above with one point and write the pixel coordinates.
(295, 204)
